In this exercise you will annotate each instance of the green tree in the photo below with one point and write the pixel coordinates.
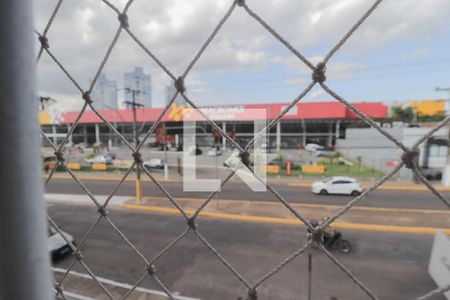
(403, 114)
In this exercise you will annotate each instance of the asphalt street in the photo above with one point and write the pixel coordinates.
(236, 190)
(392, 266)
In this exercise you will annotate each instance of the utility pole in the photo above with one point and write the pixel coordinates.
(446, 171)
(133, 105)
(45, 101)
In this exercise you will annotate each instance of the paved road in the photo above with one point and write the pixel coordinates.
(239, 191)
(393, 266)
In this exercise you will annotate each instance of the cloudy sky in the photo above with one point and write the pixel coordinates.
(402, 52)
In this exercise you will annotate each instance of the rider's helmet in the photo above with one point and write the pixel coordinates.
(314, 222)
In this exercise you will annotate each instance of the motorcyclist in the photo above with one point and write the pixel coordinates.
(330, 235)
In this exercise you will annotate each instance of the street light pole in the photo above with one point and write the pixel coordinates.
(134, 104)
(446, 172)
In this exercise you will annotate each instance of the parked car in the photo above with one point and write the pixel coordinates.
(233, 160)
(282, 163)
(57, 245)
(312, 147)
(214, 151)
(325, 152)
(337, 185)
(276, 162)
(266, 148)
(112, 155)
(194, 150)
(154, 163)
(49, 162)
(100, 159)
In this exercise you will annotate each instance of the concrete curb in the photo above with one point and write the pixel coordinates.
(386, 187)
(285, 221)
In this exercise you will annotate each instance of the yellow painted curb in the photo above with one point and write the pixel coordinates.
(259, 219)
(321, 206)
(104, 178)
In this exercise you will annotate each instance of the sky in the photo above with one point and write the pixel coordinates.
(401, 52)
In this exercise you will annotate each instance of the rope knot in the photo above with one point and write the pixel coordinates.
(179, 84)
(87, 97)
(151, 270)
(138, 158)
(123, 19)
(191, 223)
(59, 156)
(245, 158)
(319, 73)
(78, 255)
(44, 42)
(409, 156)
(102, 210)
(317, 235)
(240, 2)
(252, 294)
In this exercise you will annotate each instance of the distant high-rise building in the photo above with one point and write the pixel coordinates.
(104, 93)
(141, 84)
(170, 91)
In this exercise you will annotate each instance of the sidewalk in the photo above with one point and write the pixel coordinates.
(282, 180)
(359, 217)
(81, 286)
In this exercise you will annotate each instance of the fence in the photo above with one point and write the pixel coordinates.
(318, 77)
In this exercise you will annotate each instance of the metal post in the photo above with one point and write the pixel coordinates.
(55, 141)
(309, 276)
(136, 140)
(330, 134)
(85, 137)
(166, 163)
(70, 137)
(446, 171)
(304, 132)
(24, 258)
(224, 140)
(278, 137)
(338, 129)
(97, 134)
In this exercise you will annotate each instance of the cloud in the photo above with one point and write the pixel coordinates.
(174, 31)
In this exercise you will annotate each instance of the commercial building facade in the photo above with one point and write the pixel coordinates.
(319, 122)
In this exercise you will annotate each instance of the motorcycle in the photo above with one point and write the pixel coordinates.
(337, 243)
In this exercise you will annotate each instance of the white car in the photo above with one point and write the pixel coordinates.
(154, 163)
(234, 160)
(214, 151)
(56, 244)
(105, 159)
(337, 185)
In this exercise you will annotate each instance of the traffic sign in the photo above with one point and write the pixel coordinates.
(439, 267)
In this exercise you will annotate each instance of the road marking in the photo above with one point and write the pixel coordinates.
(76, 296)
(310, 205)
(119, 284)
(259, 219)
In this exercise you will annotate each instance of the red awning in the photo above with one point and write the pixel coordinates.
(306, 110)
